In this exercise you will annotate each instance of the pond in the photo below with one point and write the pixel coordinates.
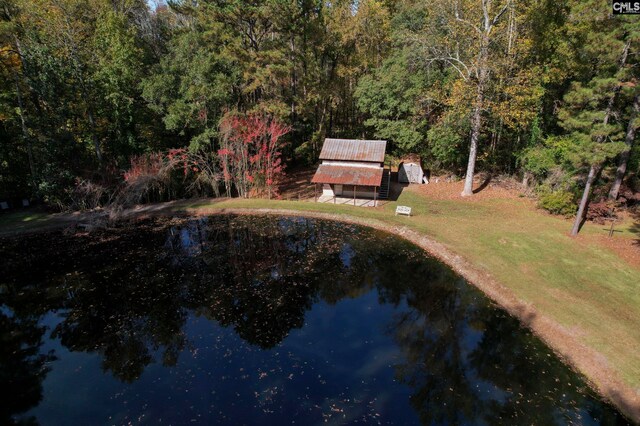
(264, 320)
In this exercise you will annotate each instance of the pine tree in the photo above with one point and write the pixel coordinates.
(604, 45)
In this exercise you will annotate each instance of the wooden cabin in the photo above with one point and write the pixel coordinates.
(352, 168)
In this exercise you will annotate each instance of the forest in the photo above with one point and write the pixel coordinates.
(123, 101)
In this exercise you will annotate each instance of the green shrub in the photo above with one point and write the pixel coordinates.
(54, 186)
(549, 157)
(557, 202)
(304, 154)
(446, 147)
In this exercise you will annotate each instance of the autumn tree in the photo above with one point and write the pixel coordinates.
(250, 153)
(483, 49)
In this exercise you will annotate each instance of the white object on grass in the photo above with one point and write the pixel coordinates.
(403, 210)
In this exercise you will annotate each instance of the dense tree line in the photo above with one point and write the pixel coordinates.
(545, 90)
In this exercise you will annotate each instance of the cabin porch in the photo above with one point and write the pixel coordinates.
(359, 202)
(356, 195)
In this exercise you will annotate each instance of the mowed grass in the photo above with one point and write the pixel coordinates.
(579, 282)
(585, 286)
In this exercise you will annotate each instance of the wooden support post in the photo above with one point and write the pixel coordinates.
(355, 188)
(613, 210)
(315, 191)
(374, 196)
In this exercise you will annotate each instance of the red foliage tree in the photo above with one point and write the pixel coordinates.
(250, 155)
(144, 165)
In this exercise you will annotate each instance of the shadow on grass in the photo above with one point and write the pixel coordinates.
(396, 188)
(483, 185)
(32, 220)
(23, 220)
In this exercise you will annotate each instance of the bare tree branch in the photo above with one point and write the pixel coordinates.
(499, 14)
(486, 4)
(454, 63)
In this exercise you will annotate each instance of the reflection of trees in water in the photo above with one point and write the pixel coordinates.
(431, 335)
(22, 367)
(256, 275)
(538, 385)
(463, 360)
(261, 280)
(123, 313)
(125, 318)
(472, 363)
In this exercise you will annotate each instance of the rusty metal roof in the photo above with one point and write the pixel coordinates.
(348, 175)
(353, 150)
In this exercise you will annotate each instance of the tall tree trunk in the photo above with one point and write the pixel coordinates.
(78, 70)
(593, 172)
(595, 168)
(482, 74)
(624, 155)
(476, 121)
(526, 178)
(473, 150)
(35, 99)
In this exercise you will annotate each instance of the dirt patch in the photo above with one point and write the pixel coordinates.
(297, 184)
(485, 188)
(626, 248)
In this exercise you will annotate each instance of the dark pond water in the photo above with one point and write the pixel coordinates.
(252, 320)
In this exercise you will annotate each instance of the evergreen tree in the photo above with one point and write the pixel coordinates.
(604, 46)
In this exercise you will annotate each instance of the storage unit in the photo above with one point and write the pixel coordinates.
(410, 170)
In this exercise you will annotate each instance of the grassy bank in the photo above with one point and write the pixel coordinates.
(581, 284)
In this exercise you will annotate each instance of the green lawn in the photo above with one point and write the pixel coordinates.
(579, 283)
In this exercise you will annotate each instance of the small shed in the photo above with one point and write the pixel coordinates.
(410, 170)
(352, 168)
